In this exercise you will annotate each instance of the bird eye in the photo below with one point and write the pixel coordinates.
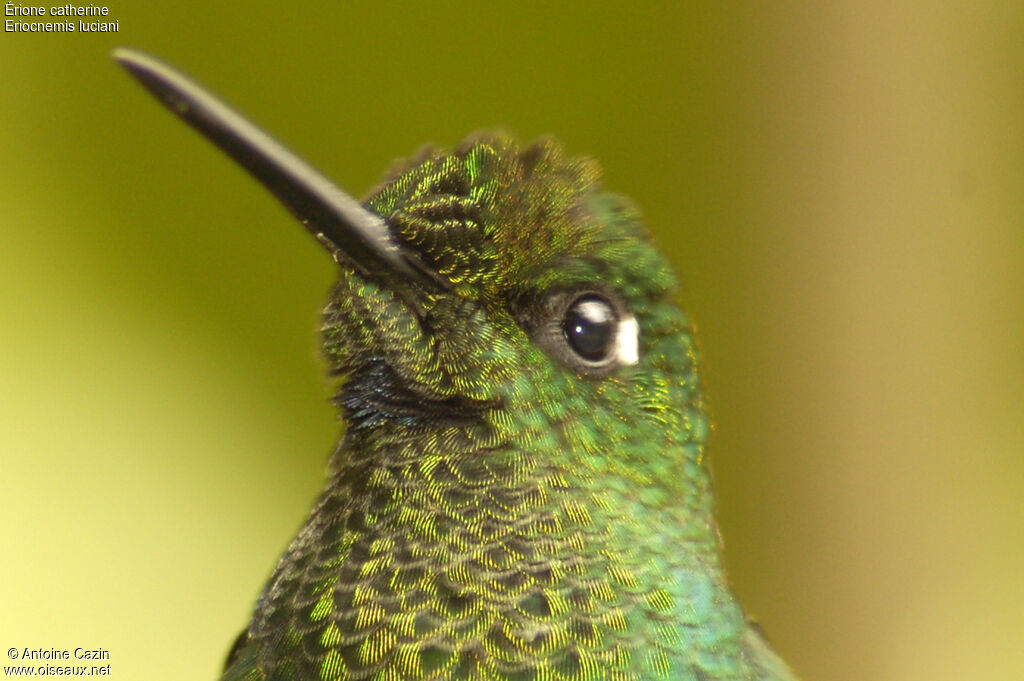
(590, 327)
(591, 332)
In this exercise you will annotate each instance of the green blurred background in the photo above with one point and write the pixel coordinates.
(840, 189)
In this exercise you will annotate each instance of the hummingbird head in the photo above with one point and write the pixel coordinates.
(545, 320)
(494, 294)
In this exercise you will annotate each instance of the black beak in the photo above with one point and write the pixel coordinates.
(329, 213)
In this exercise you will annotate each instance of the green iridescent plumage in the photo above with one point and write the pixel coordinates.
(493, 513)
(521, 492)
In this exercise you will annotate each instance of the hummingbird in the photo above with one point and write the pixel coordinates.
(521, 491)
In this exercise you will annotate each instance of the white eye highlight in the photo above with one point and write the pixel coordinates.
(627, 341)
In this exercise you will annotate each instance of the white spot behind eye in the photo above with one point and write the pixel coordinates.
(627, 341)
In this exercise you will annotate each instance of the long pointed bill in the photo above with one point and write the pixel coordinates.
(327, 211)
